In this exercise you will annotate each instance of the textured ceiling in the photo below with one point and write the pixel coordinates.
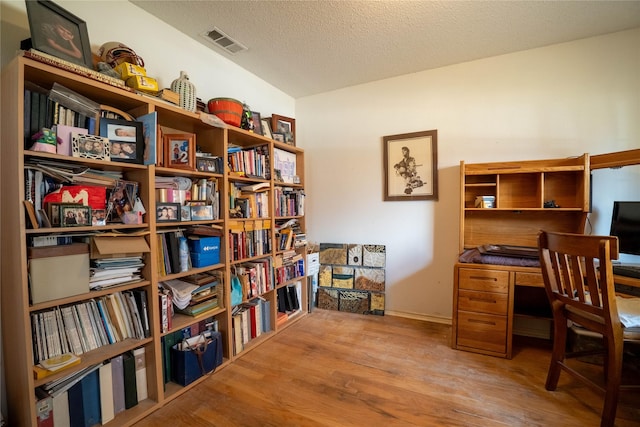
(308, 47)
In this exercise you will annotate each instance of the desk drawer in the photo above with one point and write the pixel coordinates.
(482, 331)
(483, 280)
(529, 279)
(483, 302)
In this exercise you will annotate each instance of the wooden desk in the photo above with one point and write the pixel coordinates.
(487, 297)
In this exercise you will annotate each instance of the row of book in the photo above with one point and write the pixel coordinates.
(88, 325)
(248, 204)
(42, 111)
(173, 338)
(249, 321)
(256, 277)
(289, 298)
(289, 202)
(248, 239)
(252, 162)
(96, 394)
(289, 265)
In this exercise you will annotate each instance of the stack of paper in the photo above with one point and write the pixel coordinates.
(115, 271)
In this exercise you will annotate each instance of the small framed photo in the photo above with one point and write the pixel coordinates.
(180, 151)
(125, 140)
(185, 213)
(167, 212)
(278, 136)
(201, 212)
(266, 128)
(285, 126)
(75, 215)
(90, 146)
(257, 122)
(58, 32)
(99, 217)
(208, 164)
(53, 212)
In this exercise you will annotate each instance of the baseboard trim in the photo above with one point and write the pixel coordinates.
(418, 316)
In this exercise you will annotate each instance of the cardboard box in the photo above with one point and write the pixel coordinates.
(58, 271)
(313, 263)
(143, 83)
(204, 251)
(118, 246)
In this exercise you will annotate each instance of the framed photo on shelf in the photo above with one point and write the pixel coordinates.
(411, 166)
(201, 212)
(257, 123)
(90, 146)
(75, 215)
(278, 136)
(266, 128)
(185, 213)
(168, 212)
(58, 32)
(180, 151)
(285, 126)
(125, 139)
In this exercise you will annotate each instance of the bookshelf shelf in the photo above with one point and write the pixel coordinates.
(17, 311)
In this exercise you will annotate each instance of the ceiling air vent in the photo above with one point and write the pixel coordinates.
(224, 41)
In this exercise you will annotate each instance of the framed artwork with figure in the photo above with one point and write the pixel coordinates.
(411, 166)
(58, 32)
(180, 150)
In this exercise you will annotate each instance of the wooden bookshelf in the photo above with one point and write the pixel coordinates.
(16, 307)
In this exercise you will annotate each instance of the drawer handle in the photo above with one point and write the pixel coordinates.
(493, 279)
(491, 301)
(484, 322)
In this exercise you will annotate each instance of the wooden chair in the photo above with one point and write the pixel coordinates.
(578, 279)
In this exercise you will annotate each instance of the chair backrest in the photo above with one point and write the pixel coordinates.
(578, 278)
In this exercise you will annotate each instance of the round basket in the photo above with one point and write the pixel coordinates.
(229, 110)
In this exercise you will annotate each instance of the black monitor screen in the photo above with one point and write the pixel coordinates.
(625, 225)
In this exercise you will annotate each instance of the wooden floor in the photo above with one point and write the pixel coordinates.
(341, 369)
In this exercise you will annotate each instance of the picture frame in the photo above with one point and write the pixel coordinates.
(126, 142)
(278, 136)
(201, 212)
(168, 212)
(285, 126)
(75, 215)
(179, 150)
(58, 32)
(53, 212)
(88, 146)
(185, 213)
(208, 164)
(411, 166)
(257, 122)
(266, 128)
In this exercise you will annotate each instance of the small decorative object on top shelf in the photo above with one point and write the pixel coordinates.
(285, 126)
(125, 140)
(411, 166)
(266, 128)
(257, 123)
(187, 91)
(56, 31)
(229, 110)
(180, 150)
(247, 119)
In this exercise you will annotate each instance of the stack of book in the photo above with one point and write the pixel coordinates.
(107, 272)
(196, 294)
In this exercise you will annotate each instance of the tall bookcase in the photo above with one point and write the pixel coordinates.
(16, 306)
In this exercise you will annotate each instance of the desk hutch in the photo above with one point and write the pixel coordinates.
(486, 297)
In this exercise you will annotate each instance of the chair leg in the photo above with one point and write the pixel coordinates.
(558, 354)
(613, 375)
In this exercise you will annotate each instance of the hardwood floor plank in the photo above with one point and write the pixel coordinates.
(342, 369)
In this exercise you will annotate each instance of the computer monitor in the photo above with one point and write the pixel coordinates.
(625, 225)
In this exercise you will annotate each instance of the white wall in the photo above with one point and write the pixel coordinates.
(558, 101)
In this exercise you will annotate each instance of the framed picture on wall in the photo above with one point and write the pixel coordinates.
(411, 166)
